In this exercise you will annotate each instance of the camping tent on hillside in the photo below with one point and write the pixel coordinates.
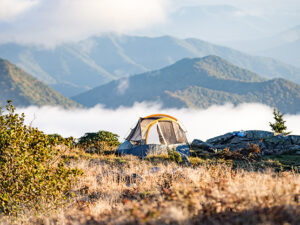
(154, 134)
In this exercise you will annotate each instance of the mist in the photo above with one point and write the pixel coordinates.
(49, 23)
(200, 124)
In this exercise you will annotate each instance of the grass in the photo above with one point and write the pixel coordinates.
(127, 190)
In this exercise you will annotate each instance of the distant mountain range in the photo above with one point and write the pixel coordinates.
(284, 46)
(75, 68)
(222, 22)
(196, 83)
(25, 90)
(216, 23)
(289, 53)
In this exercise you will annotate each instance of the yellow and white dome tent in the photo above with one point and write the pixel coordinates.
(166, 128)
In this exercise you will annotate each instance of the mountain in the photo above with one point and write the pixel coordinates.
(77, 67)
(289, 53)
(216, 23)
(196, 83)
(284, 46)
(25, 90)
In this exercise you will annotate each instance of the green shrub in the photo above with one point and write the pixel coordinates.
(57, 139)
(32, 172)
(174, 155)
(98, 142)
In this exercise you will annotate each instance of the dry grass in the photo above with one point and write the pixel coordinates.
(127, 190)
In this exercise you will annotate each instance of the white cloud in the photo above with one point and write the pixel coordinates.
(10, 9)
(123, 85)
(56, 21)
(264, 5)
(201, 124)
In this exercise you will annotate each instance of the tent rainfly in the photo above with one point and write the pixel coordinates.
(168, 131)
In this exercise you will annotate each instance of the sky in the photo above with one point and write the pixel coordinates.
(51, 22)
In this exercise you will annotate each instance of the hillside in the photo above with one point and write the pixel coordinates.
(74, 68)
(196, 83)
(25, 90)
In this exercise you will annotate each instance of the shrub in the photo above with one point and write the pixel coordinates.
(174, 155)
(57, 139)
(251, 152)
(98, 142)
(32, 172)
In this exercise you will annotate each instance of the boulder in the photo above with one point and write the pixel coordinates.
(259, 134)
(295, 140)
(268, 142)
(222, 139)
(198, 144)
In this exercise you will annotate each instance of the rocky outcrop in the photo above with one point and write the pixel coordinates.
(268, 142)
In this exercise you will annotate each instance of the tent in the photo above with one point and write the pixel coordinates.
(168, 132)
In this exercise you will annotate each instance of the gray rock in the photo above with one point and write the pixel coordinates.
(220, 139)
(268, 142)
(198, 144)
(259, 134)
(295, 140)
(294, 148)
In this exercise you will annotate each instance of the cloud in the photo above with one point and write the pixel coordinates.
(201, 124)
(10, 9)
(265, 5)
(123, 85)
(54, 21)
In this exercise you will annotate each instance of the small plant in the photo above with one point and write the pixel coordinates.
(279, 125)
(98, 142)
(174, 155)
(253, 148)
(32, 171)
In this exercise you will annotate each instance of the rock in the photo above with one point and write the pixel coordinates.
(259, 134)
(198, 144)
(294, 148)
(237, 140)
(154, 169)
(220, 139)
(295, 140)
(268, 142)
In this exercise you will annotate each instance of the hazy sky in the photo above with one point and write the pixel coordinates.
(54, 21)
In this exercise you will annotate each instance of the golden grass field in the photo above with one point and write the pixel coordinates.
(127, 190)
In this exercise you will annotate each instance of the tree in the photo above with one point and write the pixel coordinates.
(279, 125)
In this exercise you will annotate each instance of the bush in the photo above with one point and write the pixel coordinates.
(98, 142)
(174, 155)
(251, 152)
(57, 139)
(32, 172)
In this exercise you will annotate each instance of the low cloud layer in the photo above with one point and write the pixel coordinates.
(49, 22)
(201, 124)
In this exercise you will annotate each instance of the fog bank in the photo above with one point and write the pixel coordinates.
(200, 124)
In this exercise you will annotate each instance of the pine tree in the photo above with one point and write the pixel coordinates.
(279, 125)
